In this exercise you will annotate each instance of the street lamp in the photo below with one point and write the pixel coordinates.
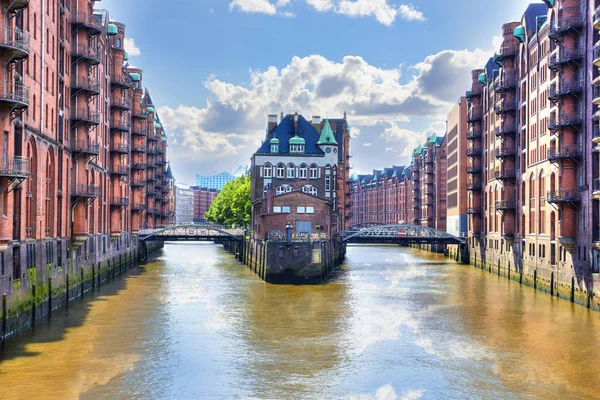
(288, 232)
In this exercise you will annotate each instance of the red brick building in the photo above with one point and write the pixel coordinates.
(203, 199)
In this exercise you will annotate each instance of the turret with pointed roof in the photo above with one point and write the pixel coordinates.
(327, 137)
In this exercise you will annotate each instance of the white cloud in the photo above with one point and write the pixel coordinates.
(384, 12)
(131, 48)
(387, 392)
(367, 144)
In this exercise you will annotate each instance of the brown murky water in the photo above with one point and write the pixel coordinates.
(393, 324)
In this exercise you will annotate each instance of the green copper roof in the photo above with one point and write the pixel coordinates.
(433, 139)
(550, 3)
(482, 79)
(157, 125)
(126, 56)
(519, 33)
(162, 133)
(418, 150)
(274, 141)
(497, 59)
(376, 177)
(135, 77)
(297, 140)
(112, 30)
(150, 109)
(327, 137)
(395, 174)
(164, 139)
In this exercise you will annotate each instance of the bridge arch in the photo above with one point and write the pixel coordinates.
(192, 231)
(400, 233)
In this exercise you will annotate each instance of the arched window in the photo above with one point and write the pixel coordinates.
(309, 189)
(283, 189)
(314, 171)
(118, 43)
(542, 184)
(291, 171)
(280, 171)
(268, 170)
(303, 171)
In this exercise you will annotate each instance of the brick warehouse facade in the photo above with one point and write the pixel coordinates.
(533, 133)
(83, 150)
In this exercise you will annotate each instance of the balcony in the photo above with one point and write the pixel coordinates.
(473, 169)
(507, 50)
(474, 185)
(505, 174)
(505, 205)
(121, 104)
(152, 152)
(82, 52)
(15, 43)
(596, 59)
(596, 189)
(85, 147)
(473, 151)
(565, 56)
(504, 107)
(569, 20)
(138, 166)
(120, 125)
(119, 201)
(151, 177)
(14, 95)
(473, 211)
(120, 170)
(85, 84)
(91, 23)
(138, 149)
(120, 148)
(473, 134)
(470, 94)
(16, 5)
(565, 88)
(429, 159)
(473, 116)
(138, 207)
(596, 134)
(505, 151)
(152, 136)
(566, 152)
(85, 116)
(508, 236)
(506, 129)
(139, 115)
(563, 196)
(596, 95)
(138, 182)
(506, 83)
(597, 18)
(140, 129)
(151, 192)
(14, 167)
(565, 119)
(122, 81)
(86, 191)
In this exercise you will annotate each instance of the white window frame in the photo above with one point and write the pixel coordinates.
(268, 171)
(286, 209)
(303, 171)
(291, 171)
(300, 210)
(314, 172)
(274, 148)
(276, 209)
(310, 210)
(280, 171)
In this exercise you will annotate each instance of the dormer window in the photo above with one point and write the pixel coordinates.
(274, 148)
(296, 148)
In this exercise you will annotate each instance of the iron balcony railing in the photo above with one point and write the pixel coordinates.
(597, 16)
(92, 22)
(474, 151)
(505, 106)
(505, 151)
(139, 114)
(507, 50)
(15, 93)
(85, 83)
(596, 185)
(121, 125)
(596, 53)
(86, 147)
(473, 169)
(17, 40)
(120, 170)
(138, 166)
(122, 81)
(152, 151)
(82, 114)
(138, 207)
(563, 196)
(119, 201)
(505, 174)
(474, 116)
(565, 87)
(16, 5)
(567, 151)
(140, 128)
(596, 134)
(506, 129)
(506, 82)
(596, 94)
(569, 19)
(475, 92)
(564, 119)
(473, 185)
(473, 211)
(16, 167)
(84, 51)
(122, 148)
(505, 205)
(80, 190)
(138, 149)
(139, 182)
(565, 55)
(123, 104)
(473, 134)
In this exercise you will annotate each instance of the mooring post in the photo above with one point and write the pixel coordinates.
(67, 291)
(81, 282)
(33, 305)
(4, 311)
(49, 297)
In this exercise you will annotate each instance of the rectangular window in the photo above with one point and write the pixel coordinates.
(301, 210)
(286, 209)
(310, 210)
(268, 172)
(328, 184)
(277, 209)
(290, 172)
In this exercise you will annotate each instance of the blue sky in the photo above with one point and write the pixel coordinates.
(216, 68)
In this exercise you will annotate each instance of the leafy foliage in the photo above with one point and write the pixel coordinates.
(232, 205)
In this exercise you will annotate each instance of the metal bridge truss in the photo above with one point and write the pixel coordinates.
(400, 234)
(193, 232)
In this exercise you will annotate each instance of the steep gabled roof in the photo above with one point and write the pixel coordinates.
(285, 131)
(327, 137)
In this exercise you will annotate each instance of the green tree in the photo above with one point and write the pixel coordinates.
(231, 207)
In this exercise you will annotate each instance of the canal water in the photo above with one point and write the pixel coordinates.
(394, 323)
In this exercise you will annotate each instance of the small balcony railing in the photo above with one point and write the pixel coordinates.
(152, 151)
(120, 125)
(85, 115)
(474, 151)
(120, 81)
(138, 207)
(15, 94)
(563, 196)
(119, 201)
(565, 87)
(92, 23)
(506, 129)
(507, 50)
(596, 134)
(505, 106)
(14, 167)
(82, 51)
(474, 185)
(474, 116)
(505, 205)
(503, 174)
(85, 147)
(565, 119)
(120, 170)
(506, 82)
(140, 128)
(564, 56)
(138, 166)
(16, 41)
(139, 114)
(83, 83)
(138, 149)
(567, 151)
(476, 92)
(138, 182)
(473, 169)
(505, 151)
(473, 211)
(89, 191)
(569, 19)
(120, 148)
(121, 104)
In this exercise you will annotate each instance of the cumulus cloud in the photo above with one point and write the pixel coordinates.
(384, 12)
(381, 106)
(131, 48)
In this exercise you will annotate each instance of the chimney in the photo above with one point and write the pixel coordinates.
(272, 123)
(296, 118)
(316, 123)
